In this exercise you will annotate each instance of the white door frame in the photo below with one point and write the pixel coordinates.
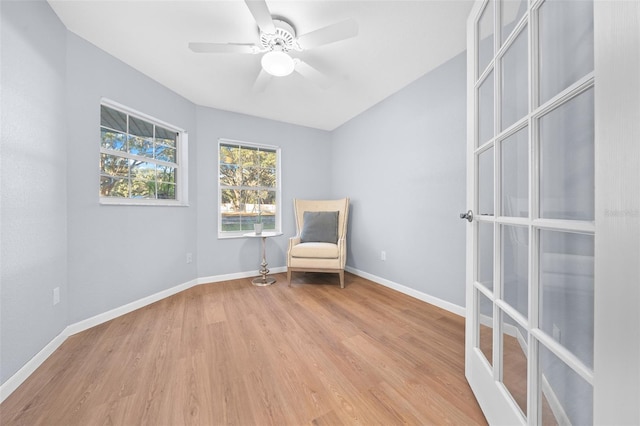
(617, 260)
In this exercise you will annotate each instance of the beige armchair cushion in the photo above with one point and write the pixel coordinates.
(319, 250)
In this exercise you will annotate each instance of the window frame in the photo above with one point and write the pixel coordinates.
(181, 163)
(278, 187)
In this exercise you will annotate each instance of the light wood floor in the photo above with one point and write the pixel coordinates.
(232, 353)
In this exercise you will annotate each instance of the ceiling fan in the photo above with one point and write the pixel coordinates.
(277, 39)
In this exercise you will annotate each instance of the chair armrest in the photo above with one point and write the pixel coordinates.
(342, 251)
(293, 241)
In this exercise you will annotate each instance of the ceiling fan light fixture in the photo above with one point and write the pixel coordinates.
(277, 63)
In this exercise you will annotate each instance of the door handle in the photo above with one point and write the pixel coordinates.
(468, 215)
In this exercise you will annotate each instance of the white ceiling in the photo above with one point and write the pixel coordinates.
(398, 41)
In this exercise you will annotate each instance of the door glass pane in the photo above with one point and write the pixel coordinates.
(485, 110)
(485, 326)
(485, 182)
(567, 291)
(515, 174)
(568, 394)
(514, 360)
(485, 254)
(485, 37)
(515, 81)
(567, 160)
(565, 43)
(515, 261)
(512, 12)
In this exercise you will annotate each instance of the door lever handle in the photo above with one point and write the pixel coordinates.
(468, 215)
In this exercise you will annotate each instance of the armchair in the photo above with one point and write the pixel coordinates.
(321, 246)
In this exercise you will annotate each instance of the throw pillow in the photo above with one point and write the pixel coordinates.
(320, 227)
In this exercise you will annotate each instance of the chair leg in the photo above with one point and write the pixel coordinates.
(289, 276)
(341, 279)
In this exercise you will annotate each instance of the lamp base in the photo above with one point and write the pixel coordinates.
(262, 281)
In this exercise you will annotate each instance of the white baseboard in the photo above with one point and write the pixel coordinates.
(447, 306)
(239, 275)
(554, 403)
(21, 375)
(125, 309)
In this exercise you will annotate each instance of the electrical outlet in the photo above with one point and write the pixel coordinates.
(56, 295)
(383, 255)
(189, 257)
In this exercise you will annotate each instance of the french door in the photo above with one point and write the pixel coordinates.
(531, 167)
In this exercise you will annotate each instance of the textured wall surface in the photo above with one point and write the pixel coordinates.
(33, 218)
(403, 162)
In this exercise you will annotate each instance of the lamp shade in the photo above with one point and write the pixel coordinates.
(277, 63)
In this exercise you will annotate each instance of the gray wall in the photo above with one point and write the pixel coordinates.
(119, 254)
(305, 164)
(403, 164)
(33, 218)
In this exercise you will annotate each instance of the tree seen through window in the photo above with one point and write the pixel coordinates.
(248, 187)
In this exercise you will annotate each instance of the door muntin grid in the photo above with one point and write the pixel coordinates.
(552, 209)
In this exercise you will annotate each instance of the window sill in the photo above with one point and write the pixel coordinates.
(234, 235)
(133, 202)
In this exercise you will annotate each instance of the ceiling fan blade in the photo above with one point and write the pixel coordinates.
(223, 48)
(262, 15)
(310, 73)
(261, 81)
(329, 34)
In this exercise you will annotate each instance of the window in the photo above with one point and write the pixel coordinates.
(249, 187)
(142, 160)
